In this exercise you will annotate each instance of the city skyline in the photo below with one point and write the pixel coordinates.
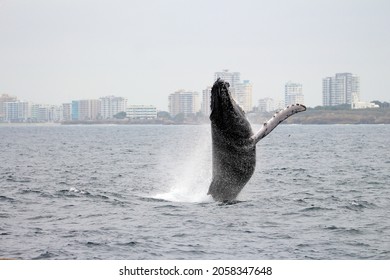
(55, 51)
(182, 101)
(187, 101)
(280, 96)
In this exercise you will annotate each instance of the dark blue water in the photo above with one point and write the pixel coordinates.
(139, 192)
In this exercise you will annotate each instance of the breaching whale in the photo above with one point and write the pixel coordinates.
(234, 143)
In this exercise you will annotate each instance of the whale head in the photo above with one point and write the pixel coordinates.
(221, 100)
(226, 114)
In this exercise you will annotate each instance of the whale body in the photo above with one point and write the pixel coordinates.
(234, 143)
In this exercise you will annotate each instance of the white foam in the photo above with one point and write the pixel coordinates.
(178, 195)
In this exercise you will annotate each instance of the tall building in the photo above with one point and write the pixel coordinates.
(40, 113)
(293, 94)
(141, 112)
(89, 109)
(11, 111)
(56, 113)
(111, 105)
(5, 98)
(16, 111)
(206, 95)
(186, 102)
(343, 88)
(241, 91)
(24, 110)
(75, 110)
(67, 111)
(243, 95)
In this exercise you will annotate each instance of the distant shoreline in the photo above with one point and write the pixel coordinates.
(362, 116)
(309, 117)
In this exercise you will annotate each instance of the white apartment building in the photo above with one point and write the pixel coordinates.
(243, 95)
(343, 88)
(66, 112)
(40, 113)
(141, 112)
(16, 111)
(56, 113)
(364, 105)
(112, 105)
(46, 113)
(5, 98)
(186, 102)
(293, 94)
(88, 109)
(20, 111)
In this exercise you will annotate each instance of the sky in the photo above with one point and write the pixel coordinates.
(52, 52)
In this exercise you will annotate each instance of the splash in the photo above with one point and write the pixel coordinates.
(191, 174)
(188, 188)
(190, 184)
(180, 194)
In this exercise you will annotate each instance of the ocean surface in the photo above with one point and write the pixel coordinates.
(139, 192)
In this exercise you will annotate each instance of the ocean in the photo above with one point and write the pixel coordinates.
(140, 192)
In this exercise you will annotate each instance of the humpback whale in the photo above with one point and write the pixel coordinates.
(234, 143)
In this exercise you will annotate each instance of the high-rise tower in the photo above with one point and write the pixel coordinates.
(293, 93)
(343, 88)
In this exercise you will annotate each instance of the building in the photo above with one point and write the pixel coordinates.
(141, 112)
(111, 105)
(5, 98)
(66, 112)
(21, 111)
(243, 95)
(16, 111)
(293, 94)
(364, 105)
(75, 110)
(89, 109)
(241, 91)
(270, 105)
(360, 104)
(24, 111)
(185, 102)
(40, 113)
(206, 95)
(233, 78)
(343, 88)
(56, 113)
(11, 111)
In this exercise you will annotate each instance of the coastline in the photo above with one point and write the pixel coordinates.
(357, 116)
(309, 117)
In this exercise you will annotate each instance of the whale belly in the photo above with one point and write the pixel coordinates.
(233, 165)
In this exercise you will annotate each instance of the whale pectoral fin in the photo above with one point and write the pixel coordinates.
(277, 119)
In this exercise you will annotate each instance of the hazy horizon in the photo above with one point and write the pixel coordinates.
(57, 51)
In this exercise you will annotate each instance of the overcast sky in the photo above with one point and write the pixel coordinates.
(57, 51)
